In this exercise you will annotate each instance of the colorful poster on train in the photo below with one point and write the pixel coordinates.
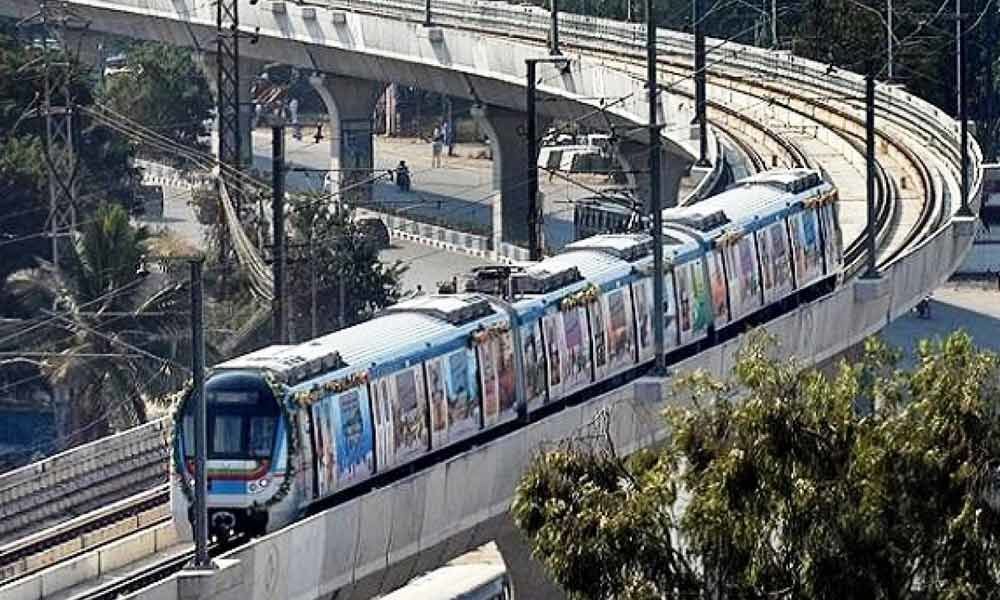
(487, 354)
(382, 402)
(534, 364)
(576, 349)
(621, 340)
(806, 247)
(717, 283)
(506, 383)
(745, 286)
(831, 237)
(669, 311)
(438, 401)
(410, 435)
(323, 439)
(552, 324)
(599, 337)
(463, 395)
(642, 297)
(692, 294)
(352, 422)
(776, 265)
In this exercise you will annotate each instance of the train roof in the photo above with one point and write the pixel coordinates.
(471, 581)
(404, 328)
(757, 197)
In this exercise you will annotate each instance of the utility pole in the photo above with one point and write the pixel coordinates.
(654, 191)
(280, 330)
(201, 559)
(59, 152)
(554, 41)
(870, 272)
(963, 118)
(534, 249)
(427, 14)
(700, 95)
(227, 56)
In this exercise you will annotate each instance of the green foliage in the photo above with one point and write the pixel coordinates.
(163, 90)
(113, 339)
(344, 262)
(871, 483)
(103, 170)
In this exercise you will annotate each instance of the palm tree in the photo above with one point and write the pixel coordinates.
(110, 337)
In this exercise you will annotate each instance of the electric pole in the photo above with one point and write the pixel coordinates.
(534, 249)
(227, 56)
(870, 272)
(700, 95)
(201, 558)
(654, 191)
(278, 268)
(57, 109)
(963, 118)
(554, 33)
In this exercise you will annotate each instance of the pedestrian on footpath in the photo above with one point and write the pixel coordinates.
(437, 142)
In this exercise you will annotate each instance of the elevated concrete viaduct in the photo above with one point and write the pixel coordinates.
(358, 53)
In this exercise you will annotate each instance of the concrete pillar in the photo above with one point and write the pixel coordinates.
(249, 70)
(634, 159)
(505, 129)
(350, 104)
(391, 110)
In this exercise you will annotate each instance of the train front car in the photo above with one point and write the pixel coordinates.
(247, 458)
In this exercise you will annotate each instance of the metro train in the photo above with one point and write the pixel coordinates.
(290, 426)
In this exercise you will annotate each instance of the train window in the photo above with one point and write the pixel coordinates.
(261, 436)
(228, 435)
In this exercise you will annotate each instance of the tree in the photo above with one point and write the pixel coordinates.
(164, 90)
(111, 339)
(104, 169)
(872, 483)
(345, 264)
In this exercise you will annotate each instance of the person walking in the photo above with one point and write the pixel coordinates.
(448, 134)
(437, 143)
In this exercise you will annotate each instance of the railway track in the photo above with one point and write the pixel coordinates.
(622, 41)
(83, 534)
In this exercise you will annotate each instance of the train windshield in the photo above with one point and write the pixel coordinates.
(242, 418)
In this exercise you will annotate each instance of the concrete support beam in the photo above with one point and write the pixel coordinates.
(634, 156)
(350, 106)
(505, 129)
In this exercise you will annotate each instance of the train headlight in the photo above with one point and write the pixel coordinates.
(255, 487)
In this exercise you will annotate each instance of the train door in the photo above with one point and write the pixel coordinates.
(497, 379)
(775, 261)
(807, 253)
(533, 351)
(718, 290)
(744, 277)
(693, 310)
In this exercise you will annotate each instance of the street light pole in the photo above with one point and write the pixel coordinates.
(554, 47)
(655, 201)
(534, 244)
(201, 559)
(280, 330)
(870, 272)
(963, 119)
(700, 94)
